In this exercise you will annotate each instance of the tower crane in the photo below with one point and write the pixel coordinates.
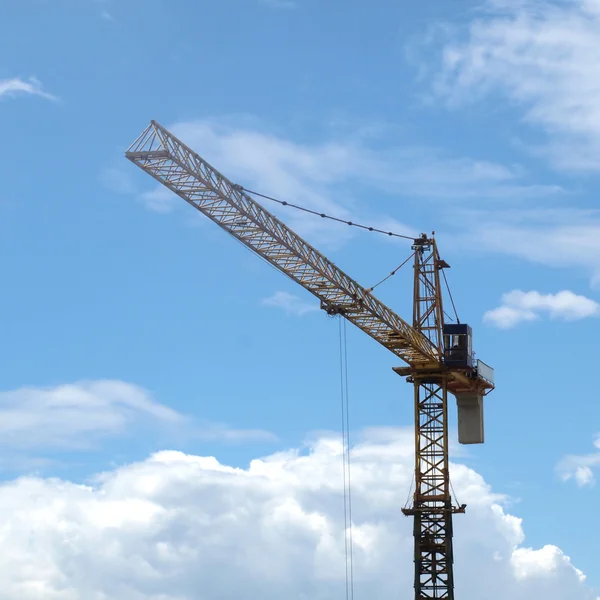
(438, 357)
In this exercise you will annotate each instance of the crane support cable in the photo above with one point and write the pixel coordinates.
(391, 274)
(324, 216)
(351, 223)
(450, 294)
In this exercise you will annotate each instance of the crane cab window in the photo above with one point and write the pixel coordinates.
(457, 346)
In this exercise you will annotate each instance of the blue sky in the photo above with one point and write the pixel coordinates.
(132, 325)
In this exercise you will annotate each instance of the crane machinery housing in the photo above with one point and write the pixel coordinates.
(438, 357)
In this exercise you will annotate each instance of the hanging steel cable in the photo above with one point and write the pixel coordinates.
(346, 458)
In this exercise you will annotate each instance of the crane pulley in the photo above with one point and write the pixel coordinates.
(438, 357)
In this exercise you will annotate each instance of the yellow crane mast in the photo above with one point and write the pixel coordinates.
(438, 356)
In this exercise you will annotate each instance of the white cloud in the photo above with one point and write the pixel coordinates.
(518, 306)
(291, 304)
(542, 56)
(528, 563)
(175, 526)
(17, 86)
(580, 467)
(583, 476)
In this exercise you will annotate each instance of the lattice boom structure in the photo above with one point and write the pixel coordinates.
(180, 169)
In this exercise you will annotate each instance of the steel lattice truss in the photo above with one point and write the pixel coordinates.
(427, 310)
(432, 503)
(432, 507)
(176, 166)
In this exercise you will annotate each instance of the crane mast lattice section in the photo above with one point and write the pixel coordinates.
(432, 503)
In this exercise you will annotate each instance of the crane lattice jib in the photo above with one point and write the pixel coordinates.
(172, 163)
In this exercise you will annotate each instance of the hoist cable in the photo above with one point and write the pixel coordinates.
(348, 463)
(410, 489)
(349, 561)
(324, 216)
(344, 459)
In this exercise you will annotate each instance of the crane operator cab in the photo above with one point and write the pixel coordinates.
(458, 341)
(458, 354)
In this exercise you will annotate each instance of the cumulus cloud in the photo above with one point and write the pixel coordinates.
(17, 86)
(529, 564)
(290, 303)
(518, 306)
(175, 526)
(544, 57)
(580, 468)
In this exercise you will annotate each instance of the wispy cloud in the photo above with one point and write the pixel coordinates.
(545, 58)
(17, 86)
(335, 177)
(118, 180)
(327, 176)
(159, 199)
(80, 415)
(76, 415)
(309, 171)
(554, 237)
(580, 468)
(218, 432)
(104, 13)
(121, 180)
(291, 304)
